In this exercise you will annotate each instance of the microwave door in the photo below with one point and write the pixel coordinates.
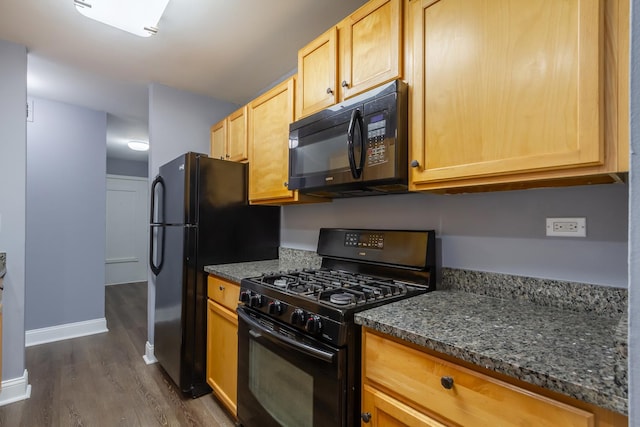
(319, 153)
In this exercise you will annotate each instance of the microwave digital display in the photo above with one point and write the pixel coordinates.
(377, 118)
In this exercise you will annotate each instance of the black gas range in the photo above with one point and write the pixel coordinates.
(298, 346)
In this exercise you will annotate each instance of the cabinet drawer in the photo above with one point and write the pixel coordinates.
(223, 292)
(474, 399)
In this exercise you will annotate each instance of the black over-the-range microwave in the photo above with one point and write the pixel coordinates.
(355, 148)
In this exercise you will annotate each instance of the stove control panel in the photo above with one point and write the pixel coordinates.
(302, 319)
(364, 240)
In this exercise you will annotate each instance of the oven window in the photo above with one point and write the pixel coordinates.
(277, 384)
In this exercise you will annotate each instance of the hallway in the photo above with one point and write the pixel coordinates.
(102, 380)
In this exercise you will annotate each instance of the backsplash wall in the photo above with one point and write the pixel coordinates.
(501, 232)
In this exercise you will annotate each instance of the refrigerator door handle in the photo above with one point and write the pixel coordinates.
(152, 247)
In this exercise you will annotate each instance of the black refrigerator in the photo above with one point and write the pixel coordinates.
(200, 216)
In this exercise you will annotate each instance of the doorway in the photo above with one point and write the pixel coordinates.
(127, 229)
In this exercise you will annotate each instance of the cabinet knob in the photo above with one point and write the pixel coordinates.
(447, 382)
(227, 156)
(221, 157)
(415, 163)
(285, 183)
(366, 416)
(329, 91)
(221, 288)
(345, 84)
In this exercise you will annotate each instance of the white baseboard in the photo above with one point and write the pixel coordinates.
(65, 332)
(15, 389)
(149, 356)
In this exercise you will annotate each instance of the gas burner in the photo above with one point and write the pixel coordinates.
(341, 298)
(280, 283)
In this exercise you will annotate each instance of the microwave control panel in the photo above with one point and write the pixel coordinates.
(377, 140)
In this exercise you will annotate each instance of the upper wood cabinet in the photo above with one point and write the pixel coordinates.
(269, 119)
(506, 91)
(229, 137)
(364, 50)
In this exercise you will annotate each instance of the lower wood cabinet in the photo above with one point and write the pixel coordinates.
(406, 386)
(381, 410)
(222, 341)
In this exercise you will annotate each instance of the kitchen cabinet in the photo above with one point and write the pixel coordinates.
(363, 51)
(222, 340)
(428, 390)
(509, 92)
(229, 137)
(269, 117)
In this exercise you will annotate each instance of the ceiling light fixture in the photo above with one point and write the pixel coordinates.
(139, 17)
(138, 145)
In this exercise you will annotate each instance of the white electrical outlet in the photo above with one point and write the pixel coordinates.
(567, 227)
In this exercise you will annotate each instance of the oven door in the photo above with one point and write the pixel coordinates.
(287, 379)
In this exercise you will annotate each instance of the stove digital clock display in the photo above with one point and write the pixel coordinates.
(364, 240)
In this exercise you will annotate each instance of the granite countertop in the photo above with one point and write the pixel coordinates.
(570, 352)
(289, 259)
(3, 271)
(3, 264)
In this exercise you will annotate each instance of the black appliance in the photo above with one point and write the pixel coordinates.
(199, 216)
(355, 148)
(298, 346)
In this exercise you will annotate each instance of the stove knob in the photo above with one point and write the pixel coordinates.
(274, 307)
(297, 317)
(245, 296)
(313, 325)
(255, 301)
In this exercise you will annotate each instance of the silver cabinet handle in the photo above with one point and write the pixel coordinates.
(221, 288)
(345, 84)
(329, 91)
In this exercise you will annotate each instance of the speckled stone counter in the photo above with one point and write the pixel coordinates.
(3, 263)
(3, 270)
(289, 259)
(570, 351)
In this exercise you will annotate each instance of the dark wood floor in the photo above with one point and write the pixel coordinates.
(102, 380)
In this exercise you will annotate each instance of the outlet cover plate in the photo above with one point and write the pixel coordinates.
(567, 227)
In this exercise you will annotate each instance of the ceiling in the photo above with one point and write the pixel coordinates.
(226, 49)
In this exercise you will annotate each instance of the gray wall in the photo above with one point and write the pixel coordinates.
(634, 225)
(13, 157)
(498, 232)
(127, 167)
(66, 214)
(179, 121)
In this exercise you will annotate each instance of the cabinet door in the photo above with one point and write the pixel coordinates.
(371, 45)
(384, 411)
(222, 354)
(505, 86)
(237, 135)
(269, 118)
(317, 76)
(219, 140)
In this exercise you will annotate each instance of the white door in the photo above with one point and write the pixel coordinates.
(127, 229)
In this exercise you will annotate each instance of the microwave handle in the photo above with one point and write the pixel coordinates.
(356, 117)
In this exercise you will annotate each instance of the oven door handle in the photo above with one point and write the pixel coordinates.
(283, 340)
